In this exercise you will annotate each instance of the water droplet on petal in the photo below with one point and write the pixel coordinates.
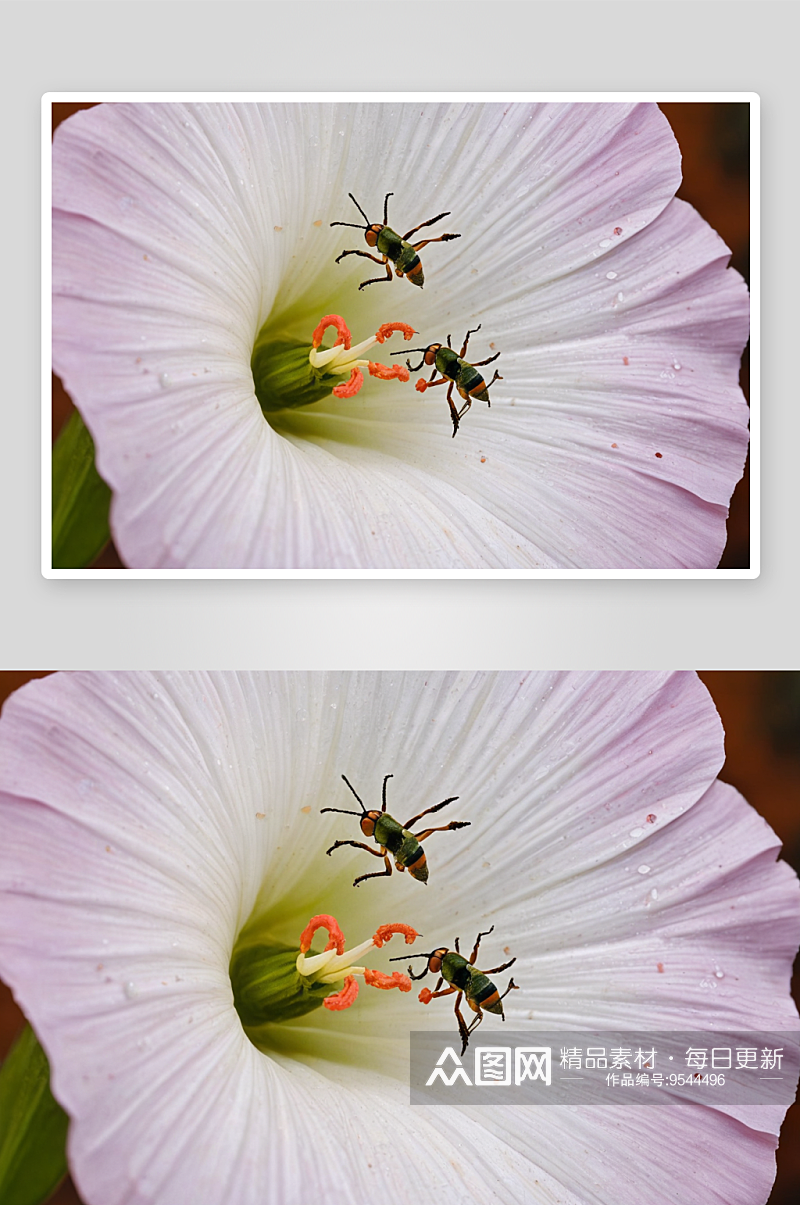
(605, 242)
(676, 366)
(654, 894)
(611, 276)
(643, 869)
(719, 974)
(636, 832)
(165, 380)
(131, 990)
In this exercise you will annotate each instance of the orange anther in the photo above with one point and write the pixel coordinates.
(388, 329)
(351, 387)
(344, 998)
(385, 933)
(322, 922)
(341, 326)
(421, 386)
(396, 979)
(387, 372)
(426, 995)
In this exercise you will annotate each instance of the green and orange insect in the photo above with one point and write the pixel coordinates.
(457, 371)
(394, 838)
(465, 979)
(393, 247)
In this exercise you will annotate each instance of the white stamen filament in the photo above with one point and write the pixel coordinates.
(345, 360)
(329, 966)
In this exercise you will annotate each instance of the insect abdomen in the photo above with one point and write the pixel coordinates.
(471, 384)
(412, 856)
(409, 264)
(484, 994)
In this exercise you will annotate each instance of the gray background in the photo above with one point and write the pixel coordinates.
(692, 46)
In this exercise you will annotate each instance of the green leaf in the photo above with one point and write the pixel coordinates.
(33, 1127)
(81, 499)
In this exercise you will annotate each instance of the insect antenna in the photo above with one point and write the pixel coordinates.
(411, 974)
(361, 211)
(344, 811)
(358, 207)
(352, 788)
(407, 351)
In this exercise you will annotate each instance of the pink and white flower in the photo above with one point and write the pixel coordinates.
(148, 819)
(183, 231)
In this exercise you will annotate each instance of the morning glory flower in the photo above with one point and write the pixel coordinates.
(164, 832)
(188, 237)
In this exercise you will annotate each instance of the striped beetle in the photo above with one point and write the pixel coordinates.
(456, 371)
(464, 978)
(404, 845)
(393, 246)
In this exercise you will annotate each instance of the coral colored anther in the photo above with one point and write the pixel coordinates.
(387, 372)
(388, 329)
(426, 995)
(421, 386)
(341, 326)
(323, 922)
(344, 998)
(385, 933)
(351, 387)
(396, 979)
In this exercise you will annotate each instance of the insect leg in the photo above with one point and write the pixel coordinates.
(388, 776)
(480, 363)
(363, 254)
(355, 845)
(442, 381)
(436, 808)
(511, 984)
(454, 414)
(430, 222)
(377, 279)
(474, 954)
(447, 992)
(476, 1022)
(465, 408)
(444, 829)
(466, 339)
(376, 874)
(497, 970)
(443, 238)
(462, 1025)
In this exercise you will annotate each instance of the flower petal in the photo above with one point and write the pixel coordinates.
(179, 229)
(129, 825)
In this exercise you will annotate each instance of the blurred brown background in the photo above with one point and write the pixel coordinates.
(714, 139)
(761, 715)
